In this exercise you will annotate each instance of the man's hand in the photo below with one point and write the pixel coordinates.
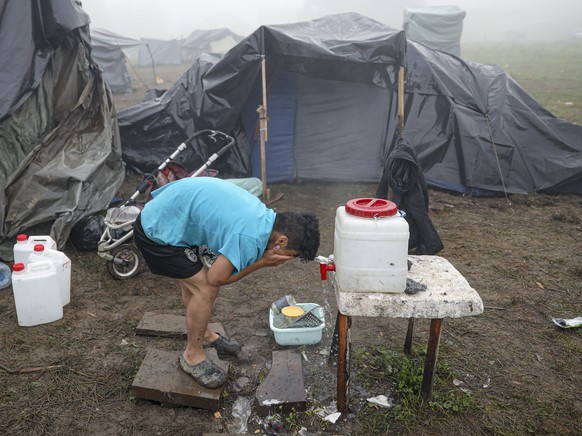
(272, 258)
(221, 271)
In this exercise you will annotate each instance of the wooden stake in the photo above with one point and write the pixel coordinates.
(25, 370)
(262, 110)
(401, 101)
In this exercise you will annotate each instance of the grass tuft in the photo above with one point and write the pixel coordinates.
(381, 366)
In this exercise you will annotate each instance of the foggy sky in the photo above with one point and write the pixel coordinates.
(486, 20)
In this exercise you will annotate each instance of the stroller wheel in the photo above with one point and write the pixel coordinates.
(125, 262)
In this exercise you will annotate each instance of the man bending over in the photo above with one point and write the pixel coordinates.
(191, 213)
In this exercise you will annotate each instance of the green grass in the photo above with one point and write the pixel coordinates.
(551, 72)
(378, 364)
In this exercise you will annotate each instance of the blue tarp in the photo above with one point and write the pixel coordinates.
(280, 165)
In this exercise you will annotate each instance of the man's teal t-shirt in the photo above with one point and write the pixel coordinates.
(212, 212)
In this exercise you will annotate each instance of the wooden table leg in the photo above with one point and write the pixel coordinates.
(334, 348)
(343, 367)
(432, 353)
(408, 341)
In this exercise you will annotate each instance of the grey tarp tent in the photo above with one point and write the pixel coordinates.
(59, 140)
(111, 52)
(439, 27)
(332, 108)
(208, 41)
(159, 52)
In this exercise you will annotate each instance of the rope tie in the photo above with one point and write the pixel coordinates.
(496, 157)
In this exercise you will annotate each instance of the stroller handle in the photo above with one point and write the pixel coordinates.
(212, 134)
(216, 155)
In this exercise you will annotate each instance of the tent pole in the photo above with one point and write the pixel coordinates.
(401, 101)
(262, 110)
(153, 65)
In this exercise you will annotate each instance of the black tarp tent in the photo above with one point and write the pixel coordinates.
(332, 108)
(59, 140)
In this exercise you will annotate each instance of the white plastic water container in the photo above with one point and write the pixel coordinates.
(37, 254)
(47, 241)
(25, 245)
(62, 264)
(370, 247)
(36, 294)
(22, 249)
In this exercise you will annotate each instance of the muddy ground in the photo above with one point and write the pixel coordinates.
(521, 254)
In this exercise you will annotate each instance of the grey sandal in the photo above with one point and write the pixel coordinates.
(206, 373)
(225, 345)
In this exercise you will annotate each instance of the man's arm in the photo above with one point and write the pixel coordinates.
(221, 271)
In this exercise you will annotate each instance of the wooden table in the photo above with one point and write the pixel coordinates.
(441, 292)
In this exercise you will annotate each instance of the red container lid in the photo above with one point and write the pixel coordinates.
(371, 207)
(22, 237)
(39, 247)
(18, 267)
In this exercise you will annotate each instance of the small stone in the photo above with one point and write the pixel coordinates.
(242, 382)
(262, 333)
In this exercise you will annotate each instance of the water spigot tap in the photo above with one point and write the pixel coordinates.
(325, 264)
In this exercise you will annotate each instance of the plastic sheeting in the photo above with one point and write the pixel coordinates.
(439, 27)
(332, 108)
(215, 89)
(111, 52)
(208, 41)
(60, 148)
(159, 52)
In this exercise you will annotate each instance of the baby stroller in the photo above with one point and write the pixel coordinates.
(116, 243)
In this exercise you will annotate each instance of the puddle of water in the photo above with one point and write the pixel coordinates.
(241, 411)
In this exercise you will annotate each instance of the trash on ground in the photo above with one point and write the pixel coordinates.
(5, 276)
(241, 411)
(380, 400)
(568, 323)
(273, 424)
(333, 417)
(328, 413)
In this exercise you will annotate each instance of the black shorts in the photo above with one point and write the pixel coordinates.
(166, 260)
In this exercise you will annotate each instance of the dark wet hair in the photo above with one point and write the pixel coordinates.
(302, 230)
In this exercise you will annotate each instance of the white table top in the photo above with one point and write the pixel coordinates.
(447, 294)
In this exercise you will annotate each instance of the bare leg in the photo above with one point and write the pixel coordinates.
(209, 335)
(198, 297)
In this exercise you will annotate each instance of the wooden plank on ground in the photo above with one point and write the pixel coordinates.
(283, 389)
(168, 325)
(159, 378)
